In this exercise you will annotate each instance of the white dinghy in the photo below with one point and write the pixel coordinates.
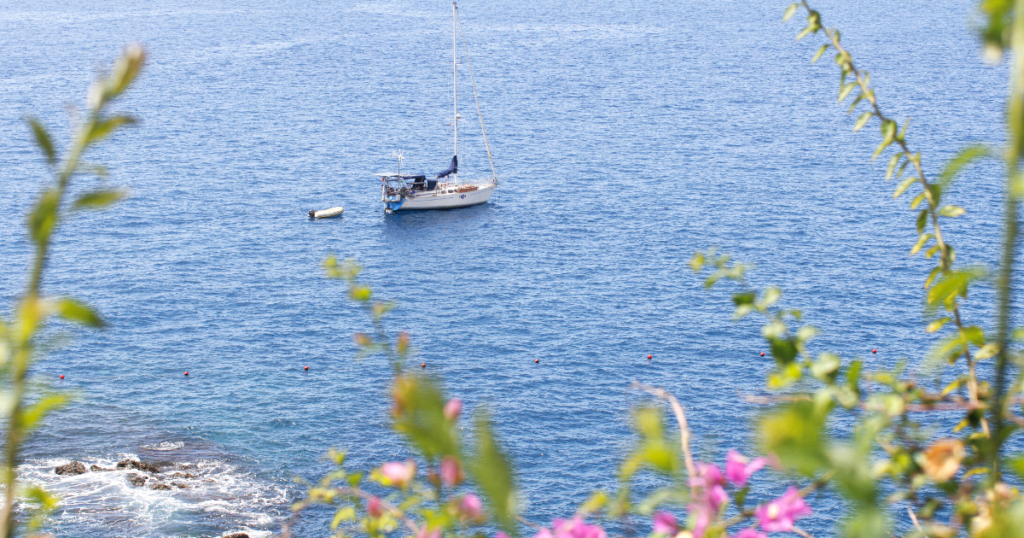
(415, 192)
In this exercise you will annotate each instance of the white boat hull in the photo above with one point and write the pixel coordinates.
(443, 198)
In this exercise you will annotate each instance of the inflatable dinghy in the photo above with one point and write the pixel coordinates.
(326, 213)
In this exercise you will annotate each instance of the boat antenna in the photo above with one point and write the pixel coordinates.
(399, 156)
(455, 84)
(469, 64)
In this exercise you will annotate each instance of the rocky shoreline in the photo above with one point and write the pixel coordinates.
(150, 476)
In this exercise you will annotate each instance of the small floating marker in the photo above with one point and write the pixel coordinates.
(874, 351)
(762, 353)
(305, 368)
(186, 373)
(536, 361)
(62, 376)
(649, 357)
(424, 365)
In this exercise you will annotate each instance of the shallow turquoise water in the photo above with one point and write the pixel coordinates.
(627, 136)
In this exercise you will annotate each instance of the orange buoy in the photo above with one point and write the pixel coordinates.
(874, 351)
(649, 357)
(186, 372)
(424, 365)
(762, 353)
(305, 367)
(62, 376)
(536, 361)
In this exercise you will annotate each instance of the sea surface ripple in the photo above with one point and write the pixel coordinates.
(627, 136)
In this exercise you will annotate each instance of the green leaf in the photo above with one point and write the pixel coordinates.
(917, 200)
(419, 416)
(493, 473)
(844, 91)
(862, 121)
(936, 325)
(796, 434)
(104, 127)
(77, 312)
(43, 140)
(43, 218)
(803, 33)
(345, 513)
(790, 11)
(818, 54)
(931, 276)
(893, 161)
(961, 160)
(903, 186)
(987, 351)
(99, 199)
(951, 211)
(41, 505)
(598, 500)
(921, 242)
(42, 407)
(826, 368)
(922, 221)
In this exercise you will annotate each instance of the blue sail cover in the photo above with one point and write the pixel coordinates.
(453, 169)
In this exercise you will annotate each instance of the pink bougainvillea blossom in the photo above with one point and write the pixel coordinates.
(452, 409)
(399, 473)
(471, 507)
(576, 528)
(451, 471)
(665, 523)
(700, 518)
(738, 468)
(375, 507)
(500, 534)
(544, 533)
(749, 532)
(709, 486)
(779, 515)
(426, 532)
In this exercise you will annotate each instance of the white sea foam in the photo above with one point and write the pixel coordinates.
(217, 496)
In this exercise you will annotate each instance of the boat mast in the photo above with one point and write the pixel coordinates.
(455, 87)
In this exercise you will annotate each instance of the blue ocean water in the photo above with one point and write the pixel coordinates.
(627, 135)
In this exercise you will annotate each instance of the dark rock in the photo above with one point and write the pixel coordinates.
(159, 486)
(137, 465)
(236, 535)
(98, 469)
(136, 480)
(183, 475)
(179, 485)
(73, 468)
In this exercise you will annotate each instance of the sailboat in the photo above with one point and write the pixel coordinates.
(444, 191)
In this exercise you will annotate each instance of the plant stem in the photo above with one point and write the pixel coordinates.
(1004, 281)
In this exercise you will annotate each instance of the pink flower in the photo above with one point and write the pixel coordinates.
(451, 472)
(665, 523)
(398, 473)
(543, 533)
(701, 516)
(374, 507)
(425, 532)
(709, 486)
(779, 515)
(471, 507)
(576, 528)
(738, 469)
(749, 532)
(452, 409)
(500, 534)
(708, 476)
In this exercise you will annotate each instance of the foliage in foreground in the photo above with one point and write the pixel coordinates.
(24, 402)
(902, 468)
